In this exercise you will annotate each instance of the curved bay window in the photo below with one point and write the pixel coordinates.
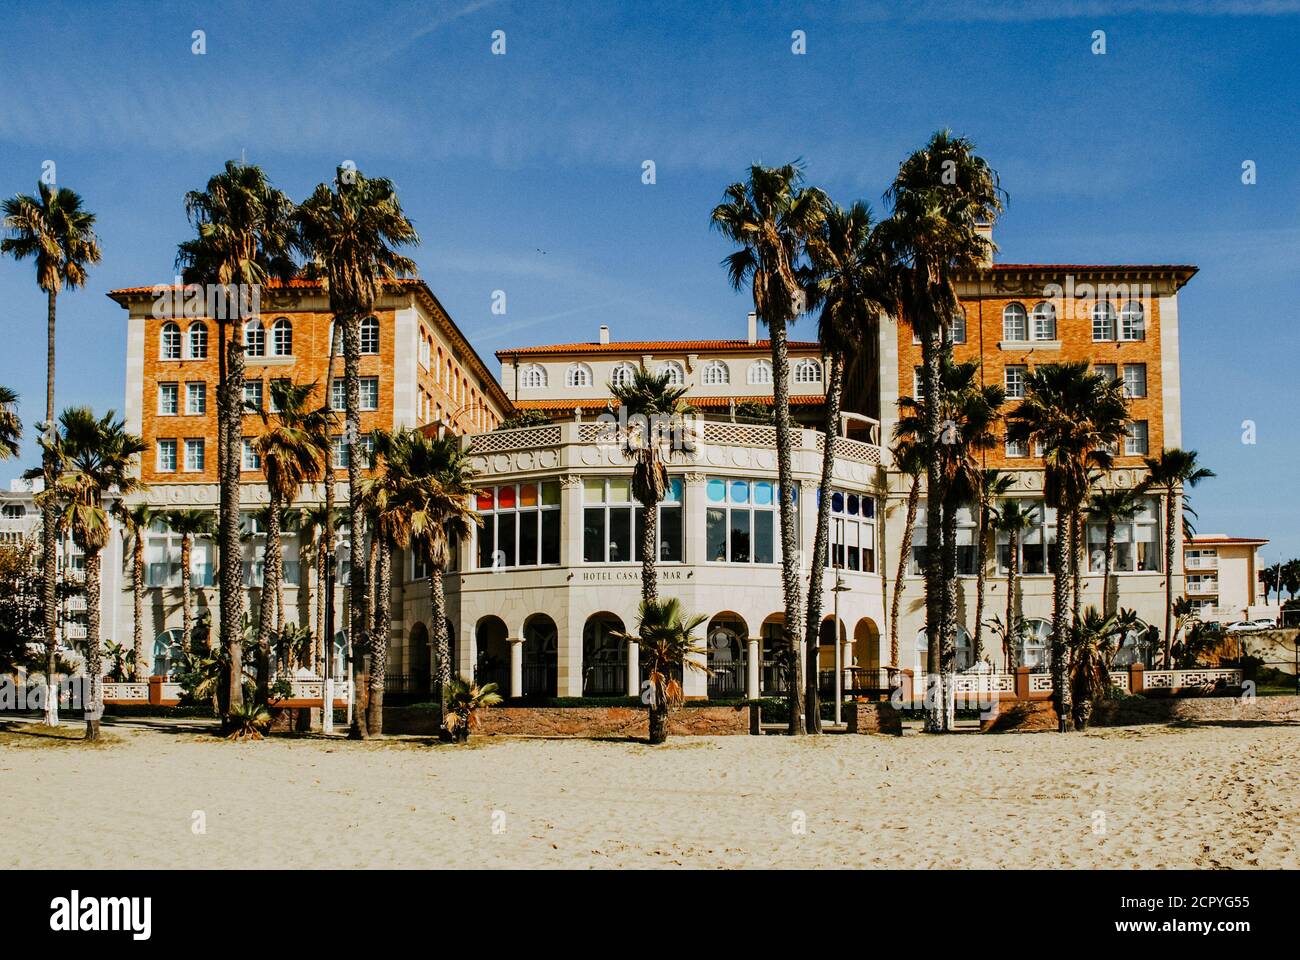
(853, 532)
(521, 525)
(741, 521)
(611, 522)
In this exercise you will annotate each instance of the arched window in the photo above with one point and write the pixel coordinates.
(760, 372)
(198, 340)
(1044, 321)
(1131, 322)
(622, 374)
(807, 371)
(254, 339)
(532, 376)
(676, 375)
(282, 338)
(1103, 321)
(1032, 648)
(578, 375)
(171, 341)
(1015, 323)
(370, 335)
(716, 372)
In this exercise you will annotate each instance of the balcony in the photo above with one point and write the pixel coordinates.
(1203, 589)
(1201, 563)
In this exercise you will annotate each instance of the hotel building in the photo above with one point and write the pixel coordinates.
(1222, 578)
(539, 593)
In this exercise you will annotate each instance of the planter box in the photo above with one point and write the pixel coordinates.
(576, 721)
(873, 718)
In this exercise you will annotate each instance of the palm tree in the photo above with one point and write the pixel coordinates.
(315, 518)
(771, 218)
(1112, 507)
(668, 645)
(1172, 472)
(1014, 521)
(852, 284)
(941, 196)
(465, 699)
(1093, 641)
(348, 231)
(1270, 578)
(991, 486)
(1076, 416)
(189, 524)
(52, 228)
(294, 450)
(654, 408)
(136, 518)
(910, 454)
(93, 456)
(245, 238)
(11, 426)
(441, 518)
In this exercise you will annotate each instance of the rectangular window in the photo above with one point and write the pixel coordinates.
(252, 394)
(853, 532)
(1135, 443)
(1034, 545)
(194, 455)
(1015, 382)
(958, 328)
(612, 522)
(966, 548)
(250, 460)
(341, 452)
(168, 394)
(1017, 448)
(1135, 379)
(369, 393)
(166, 456)
(1137, 542)
(918, 384)
(275, 407)
(741, 520)
(196, 399)
(338, 395)
(521, 525)
(1107, 370)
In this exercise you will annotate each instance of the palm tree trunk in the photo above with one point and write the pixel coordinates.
(230, 410)
(187, 615)
(931, 353)
(948, 611)
(359, 627)
(318, 644)
(1060, 611)
(1076, 576)
(441, 646)
(658, 719)
(649, 553)
(94, 661)
(372, 594)
(790, 579)
(821, 544)
(904, 550)
(1013, 571)
(1106, 568)
(383, 629)
(1171, 517)
(137, 599)
(49, 531)
(270, 572)
(981, 560)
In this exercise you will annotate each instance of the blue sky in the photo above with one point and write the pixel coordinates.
(523, 172)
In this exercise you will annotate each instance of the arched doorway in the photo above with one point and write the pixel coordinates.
(168, 653)
(604, 657)
(1133, 647)
(541, 656)
(418, 680)
(493, 645)
(826, 642)
(1034, 648)
(728, 655)
(773, 679)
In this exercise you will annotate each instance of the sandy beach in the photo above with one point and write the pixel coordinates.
(1211, 796)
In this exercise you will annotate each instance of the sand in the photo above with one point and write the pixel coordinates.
(1211, 796)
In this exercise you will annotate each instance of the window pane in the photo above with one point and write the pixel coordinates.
(740, 536)
(593, 535)
(716, 491)
(620, 490)
(528, 538)
(550, 493)
(593, 491)
(528, 495)
(620, 535)
(716, 533)
(506, 523)
(550, 536)
(506, 497)
(670, 534)
(764, 540)
(486, 543)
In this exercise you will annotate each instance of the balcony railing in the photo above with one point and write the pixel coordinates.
(1203, 587)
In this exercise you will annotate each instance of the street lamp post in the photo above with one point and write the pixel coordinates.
(839, 588)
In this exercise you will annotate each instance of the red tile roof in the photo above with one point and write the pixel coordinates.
(1211, 538)
(295, 284)
(652, 346)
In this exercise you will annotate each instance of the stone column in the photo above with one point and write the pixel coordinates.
(571, 521)
(633, 669)
(693, 519)
(516, 667)
(568, 656)
(467, 652)
(752, 668)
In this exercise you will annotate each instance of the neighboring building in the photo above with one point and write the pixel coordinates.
(1222, 578)
(417, 368)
